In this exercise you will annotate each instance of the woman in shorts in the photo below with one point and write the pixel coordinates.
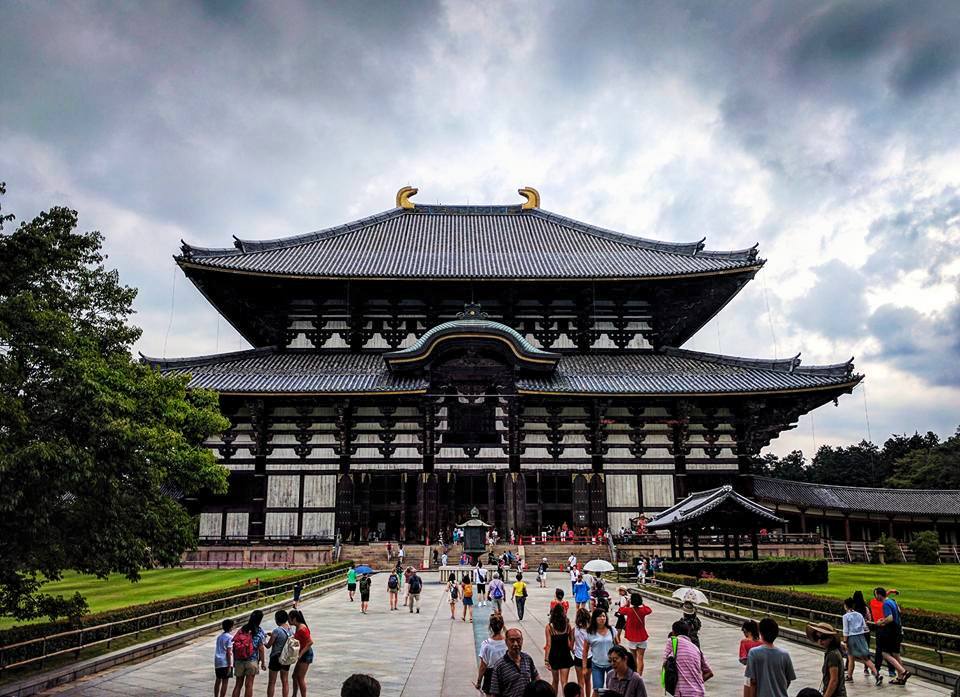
(453, 591)
(584, 678)
(491, 651)
(466, 592)
(635, 633)
(351, 580)
(302, 635)
(275, 642)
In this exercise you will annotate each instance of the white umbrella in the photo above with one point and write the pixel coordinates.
(598, 565)
(692, 595)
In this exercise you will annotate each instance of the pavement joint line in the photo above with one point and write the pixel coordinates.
(423, 641)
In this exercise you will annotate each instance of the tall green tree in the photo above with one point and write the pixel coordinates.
(94, 447)
(936, 467)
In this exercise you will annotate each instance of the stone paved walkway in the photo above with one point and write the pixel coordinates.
(429, 654)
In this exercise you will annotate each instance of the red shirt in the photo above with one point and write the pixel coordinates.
(303, 635)
(876, 609)
(555, 602)
(636, 629)
(745, 646)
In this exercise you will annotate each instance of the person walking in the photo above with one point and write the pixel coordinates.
(491, 651)
(693, 621)
(389, 551)
(855, 634)
(497, 593)
(623, 601)
(769, 668)
(401, 553)
(622, 679)
(876, 614)
(890, 634)
(393, 588)
(302, 635)
(581, 592)
(635, 633)
(519, 596)
(275, 641)
(248, 654)
(751, 638)
(558, 650)
(692, 667)
(833, 683)
(414, 586)
(453, 593)
(596, 648)
(466, 592)
(364, 584)
(558, 600)
(223, 659)
(581, 624)
(297, 590)
(542, 573)
(480, 583)
(352, 580)
(516, 670)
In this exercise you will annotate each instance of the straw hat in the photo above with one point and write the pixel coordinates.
(688, 608)
(819, 629)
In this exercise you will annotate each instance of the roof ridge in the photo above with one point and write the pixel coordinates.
(206, 359)
(857, 488)
(778, 365)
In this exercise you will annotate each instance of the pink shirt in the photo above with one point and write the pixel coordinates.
(691, 665)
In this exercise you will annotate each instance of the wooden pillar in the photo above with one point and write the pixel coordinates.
(803, 520)
(681, 532)
(403, 510)
(736, 544)
(726, 543)
(890, 527)
(753, 543)
(492, 499)
(696, 543)
(673, 544)
(846, 528)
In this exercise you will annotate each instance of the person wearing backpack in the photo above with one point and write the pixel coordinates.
(248, 654)
(684, 667)
(276, 642)
(393, 589)
(466, 590)
(519, 595)
(453, 590)
(497, 593)
(414, 586)
(364, 593)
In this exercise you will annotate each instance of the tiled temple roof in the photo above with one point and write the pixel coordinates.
(701, 503)
(857, 498)
(677, 372)
(453, 242)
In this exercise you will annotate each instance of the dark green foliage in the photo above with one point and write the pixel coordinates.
(904, 462)
(934, 467)
(891, 551)
(137, 616)
(913, 619)
(926, 547)
(92, 443)
(768, 572)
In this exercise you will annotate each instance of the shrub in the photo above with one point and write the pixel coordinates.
(134, 618)
(772, 572)
(926, 547)
(890, 548)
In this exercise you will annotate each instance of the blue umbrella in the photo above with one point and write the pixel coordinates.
(364, 570)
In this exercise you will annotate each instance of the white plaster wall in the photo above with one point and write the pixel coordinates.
(657, 490)
(622, 491)
(318, 524)
(210, 524)
(280, 524)
(283, 491)
(319, 491)
(238, 524)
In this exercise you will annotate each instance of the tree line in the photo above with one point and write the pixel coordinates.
(903, 462)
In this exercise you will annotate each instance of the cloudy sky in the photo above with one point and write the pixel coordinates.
(827, 132)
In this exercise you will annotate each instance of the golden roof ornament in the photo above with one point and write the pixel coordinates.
(532, 196)
(403, 197)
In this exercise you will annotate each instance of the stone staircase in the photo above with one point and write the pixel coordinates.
(375, 555)
(557, 554)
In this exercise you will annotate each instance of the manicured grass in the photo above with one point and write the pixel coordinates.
(158, 584)
(935, 588)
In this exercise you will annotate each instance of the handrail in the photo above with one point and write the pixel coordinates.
(220, 603)
(936, 645)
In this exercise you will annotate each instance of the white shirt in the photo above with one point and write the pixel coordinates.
(572, 561)
(443, 559)
(401, 553)
(477, 577)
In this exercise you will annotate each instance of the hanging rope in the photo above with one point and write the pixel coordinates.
(766, 301)
(173, 298)
(866, 412)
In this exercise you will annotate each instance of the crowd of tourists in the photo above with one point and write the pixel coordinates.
(592, 642)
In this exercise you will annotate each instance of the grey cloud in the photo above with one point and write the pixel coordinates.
(836, 305)
(926, 66)
(926, 345)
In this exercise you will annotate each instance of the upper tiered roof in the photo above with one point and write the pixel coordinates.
(469, 242)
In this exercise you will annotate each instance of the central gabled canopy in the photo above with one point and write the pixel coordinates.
(473, 332)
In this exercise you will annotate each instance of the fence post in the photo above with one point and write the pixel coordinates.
(79, 643)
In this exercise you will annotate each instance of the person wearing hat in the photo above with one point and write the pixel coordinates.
(692, 620)
(833, 683)
(542, 573)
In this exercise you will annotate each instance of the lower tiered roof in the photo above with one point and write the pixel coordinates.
(674, 372)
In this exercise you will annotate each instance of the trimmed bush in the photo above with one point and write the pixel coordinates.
(926, 547)
(133, 617)
(890, 549)
(767, 572)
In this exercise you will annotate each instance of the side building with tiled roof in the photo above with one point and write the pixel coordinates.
(415, 364)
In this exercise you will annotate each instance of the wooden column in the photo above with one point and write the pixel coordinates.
(846, 528)
(726, 543)
(673, 544)
(696, 543)
(492, 499)
(803, 520)
(736, 544)
(403, 509)
(753, 543)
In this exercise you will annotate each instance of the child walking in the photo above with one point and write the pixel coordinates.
(223, 659)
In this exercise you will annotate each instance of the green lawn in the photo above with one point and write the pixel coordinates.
(158, 584)
(935, 588)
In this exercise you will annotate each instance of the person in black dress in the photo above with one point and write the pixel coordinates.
(559, 646)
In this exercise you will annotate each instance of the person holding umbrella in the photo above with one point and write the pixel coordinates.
(364, 592)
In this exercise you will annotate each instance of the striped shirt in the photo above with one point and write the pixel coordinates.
(509, 679)
(691, 665)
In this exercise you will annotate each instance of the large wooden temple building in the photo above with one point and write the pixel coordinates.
(420, 362)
